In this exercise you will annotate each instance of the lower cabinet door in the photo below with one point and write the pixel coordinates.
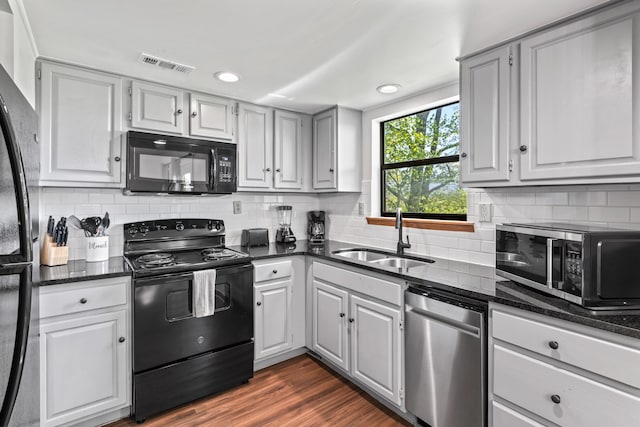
(330, 338)
(273, 314)
(375, 350)
(83, 367)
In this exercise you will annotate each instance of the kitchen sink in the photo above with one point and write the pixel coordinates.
(400, 263)
(383, 258)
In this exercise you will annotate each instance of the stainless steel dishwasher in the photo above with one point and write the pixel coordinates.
(445, 358)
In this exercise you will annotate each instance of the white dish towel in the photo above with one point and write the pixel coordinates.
(204, 293)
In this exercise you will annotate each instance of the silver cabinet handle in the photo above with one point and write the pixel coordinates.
(179, 111)
(331, 170)
(555, 398)
(121, 339)
(258, 303)
(194, 114)
(275, 271)
(278, 170)
(523, 148)
(267, 170)
(463, 155)
(116, 158)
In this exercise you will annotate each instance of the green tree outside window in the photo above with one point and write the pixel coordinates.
(420, 164)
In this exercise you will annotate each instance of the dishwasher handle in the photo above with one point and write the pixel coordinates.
(452, 323)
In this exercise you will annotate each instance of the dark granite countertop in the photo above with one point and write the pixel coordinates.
(465, 279)
(80, 270)
(462, 278)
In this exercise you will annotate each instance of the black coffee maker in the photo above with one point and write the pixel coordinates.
(315, 227)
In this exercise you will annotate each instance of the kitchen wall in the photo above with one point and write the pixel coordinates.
(258, 210)
(608, 205)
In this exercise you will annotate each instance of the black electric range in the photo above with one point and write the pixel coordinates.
(179, 353)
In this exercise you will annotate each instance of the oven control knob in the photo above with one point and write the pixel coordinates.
(133, 231)
(179, 226)
(144, 229)
(210, 226)
(218, 226)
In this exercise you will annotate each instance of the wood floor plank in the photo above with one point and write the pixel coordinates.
(298, 392)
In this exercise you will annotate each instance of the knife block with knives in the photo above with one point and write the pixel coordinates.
(54, 250)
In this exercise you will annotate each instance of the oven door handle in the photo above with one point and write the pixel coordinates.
(142, 281)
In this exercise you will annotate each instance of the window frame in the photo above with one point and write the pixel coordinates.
(411, 163)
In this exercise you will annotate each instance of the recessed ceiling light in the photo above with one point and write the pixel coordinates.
(388, 88)
(227, 76)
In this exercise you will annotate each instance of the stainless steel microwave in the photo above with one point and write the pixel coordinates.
(594, 267)
(176, 165)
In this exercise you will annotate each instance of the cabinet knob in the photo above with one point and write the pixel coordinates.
(351, 320)
(179, 111)
(83, 301)
(121, 339)
(275, 271)
(523, 148)
(258, 303)
(116, 158)
(554, 345)
(463, 155)
(555, 398)
(194, 114)
(267, 170)
(331, 170)
(341, 314)
(278, 170)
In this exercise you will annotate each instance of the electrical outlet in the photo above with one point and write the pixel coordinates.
(361, 208)
(237, 207)
(485, 212)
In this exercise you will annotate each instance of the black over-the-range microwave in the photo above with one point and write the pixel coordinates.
(595, 267)
(176, 165)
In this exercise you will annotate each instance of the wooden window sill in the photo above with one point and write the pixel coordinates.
(425, 224)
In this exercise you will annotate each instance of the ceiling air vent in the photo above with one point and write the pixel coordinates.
(165, 64)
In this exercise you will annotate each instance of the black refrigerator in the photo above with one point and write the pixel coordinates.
(19, 350)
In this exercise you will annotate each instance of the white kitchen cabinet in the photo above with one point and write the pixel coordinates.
(485, 109)
(211, 117)
(288, 148)
(375, 345)
(357, 326)
(337, 150)
(330, 335)
(580, 111)
(80, 126)
(564, 100)
(157, 108)
(255, 146)
(279, 311)
(85, 355)
(273, 317)
(544, 370)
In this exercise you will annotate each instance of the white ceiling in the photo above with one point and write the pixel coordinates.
(317, 52)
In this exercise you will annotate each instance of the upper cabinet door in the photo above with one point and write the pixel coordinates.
(211, 117)
(484, 110)
(288, 150)
(325, 137)
(579, 102)
(255, 146)
(81, 123)
(156, 108)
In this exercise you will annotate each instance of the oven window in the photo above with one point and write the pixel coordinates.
(179, 302)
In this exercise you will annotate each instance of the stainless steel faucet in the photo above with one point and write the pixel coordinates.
(401, 245)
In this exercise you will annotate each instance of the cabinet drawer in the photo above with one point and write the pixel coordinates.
(573, 348)
(272, 270)
(506, 417)
(71, 298)
(530, 384)
(362, 283)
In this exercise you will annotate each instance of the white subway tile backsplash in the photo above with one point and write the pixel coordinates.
(624, 198)
(570, 213)
(607, 214)
(560, 198)
(584, 198)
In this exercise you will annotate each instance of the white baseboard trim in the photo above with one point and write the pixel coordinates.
(273, 360)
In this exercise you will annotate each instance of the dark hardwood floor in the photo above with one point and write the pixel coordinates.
(298, 392)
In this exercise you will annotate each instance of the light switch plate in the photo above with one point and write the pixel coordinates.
(485, 212)
(237, 207)
(361, 208)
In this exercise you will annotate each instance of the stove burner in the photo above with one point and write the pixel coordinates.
(156, 260)
(213, 254)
